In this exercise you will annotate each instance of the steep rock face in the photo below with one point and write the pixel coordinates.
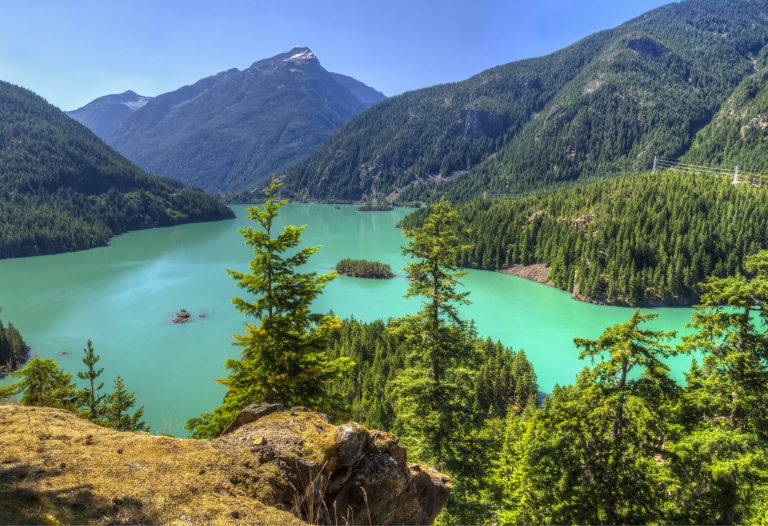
(277, 466)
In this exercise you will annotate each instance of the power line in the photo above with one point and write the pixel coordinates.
(739, 176)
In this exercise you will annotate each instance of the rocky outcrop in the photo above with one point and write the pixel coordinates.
(272, 466)
(538, 272)
(482, 123)
(183, 316)
(354, 476)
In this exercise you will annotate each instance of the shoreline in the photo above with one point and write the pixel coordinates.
(537, 272)
(114, 235)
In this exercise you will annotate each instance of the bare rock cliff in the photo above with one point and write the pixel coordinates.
(273, 466)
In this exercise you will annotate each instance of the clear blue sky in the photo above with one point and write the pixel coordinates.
(73, 51)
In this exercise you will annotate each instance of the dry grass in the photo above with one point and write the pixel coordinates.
(58, 469)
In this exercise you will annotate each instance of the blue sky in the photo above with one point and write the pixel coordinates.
(72, 52)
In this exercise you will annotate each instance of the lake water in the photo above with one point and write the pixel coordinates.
(124, 296)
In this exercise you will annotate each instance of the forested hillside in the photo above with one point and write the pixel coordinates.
(436, 131)
(648, 238)
(62, 189)
(607, 104)
(738, 134)
(13, 350)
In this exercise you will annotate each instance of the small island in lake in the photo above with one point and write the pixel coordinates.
(375, 207)
(362, 268)
(183, 316)
(375, 203)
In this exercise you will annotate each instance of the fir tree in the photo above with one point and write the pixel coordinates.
(636, 405)
(43, 383)
(92, 399)
(284, 357)
(441, 343)
(729, 330)
(594, 452)
(431, 394)
(724, 454)
(117, 406)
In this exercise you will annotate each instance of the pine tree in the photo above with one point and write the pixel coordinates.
(724, 454)
(117, 406)
(43, 383)
(284, 358)
(441, 346)
(636, 405)
(92, 399)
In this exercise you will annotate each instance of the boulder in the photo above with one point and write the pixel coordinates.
(356, 476)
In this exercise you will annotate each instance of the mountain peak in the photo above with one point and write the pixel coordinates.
(300, 53)
(297, 55)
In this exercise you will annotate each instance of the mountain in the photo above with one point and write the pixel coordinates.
(604, 105)
(104, 115)
(61, 188)
(738, 134)
(364, 93)
(231, 131)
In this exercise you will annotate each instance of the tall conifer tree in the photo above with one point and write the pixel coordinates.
(91, 395)
(442, 344)
(284, 356)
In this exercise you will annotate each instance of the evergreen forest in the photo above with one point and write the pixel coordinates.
(681, 79)
(650, 238)
(13, 350)
(624, 444)
(62, 189)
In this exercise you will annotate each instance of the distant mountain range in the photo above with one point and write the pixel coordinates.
(104, 115)
(62, 189)
(231, 131)
(688, 73)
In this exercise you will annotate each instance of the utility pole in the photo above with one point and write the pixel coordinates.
(655, 157)
(736, 175)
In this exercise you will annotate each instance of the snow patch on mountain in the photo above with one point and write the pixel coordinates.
(304, 55)
(135, 105)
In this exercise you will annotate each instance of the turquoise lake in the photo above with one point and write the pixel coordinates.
(124, 296)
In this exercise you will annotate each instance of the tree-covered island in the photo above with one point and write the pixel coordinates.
(362, 268)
